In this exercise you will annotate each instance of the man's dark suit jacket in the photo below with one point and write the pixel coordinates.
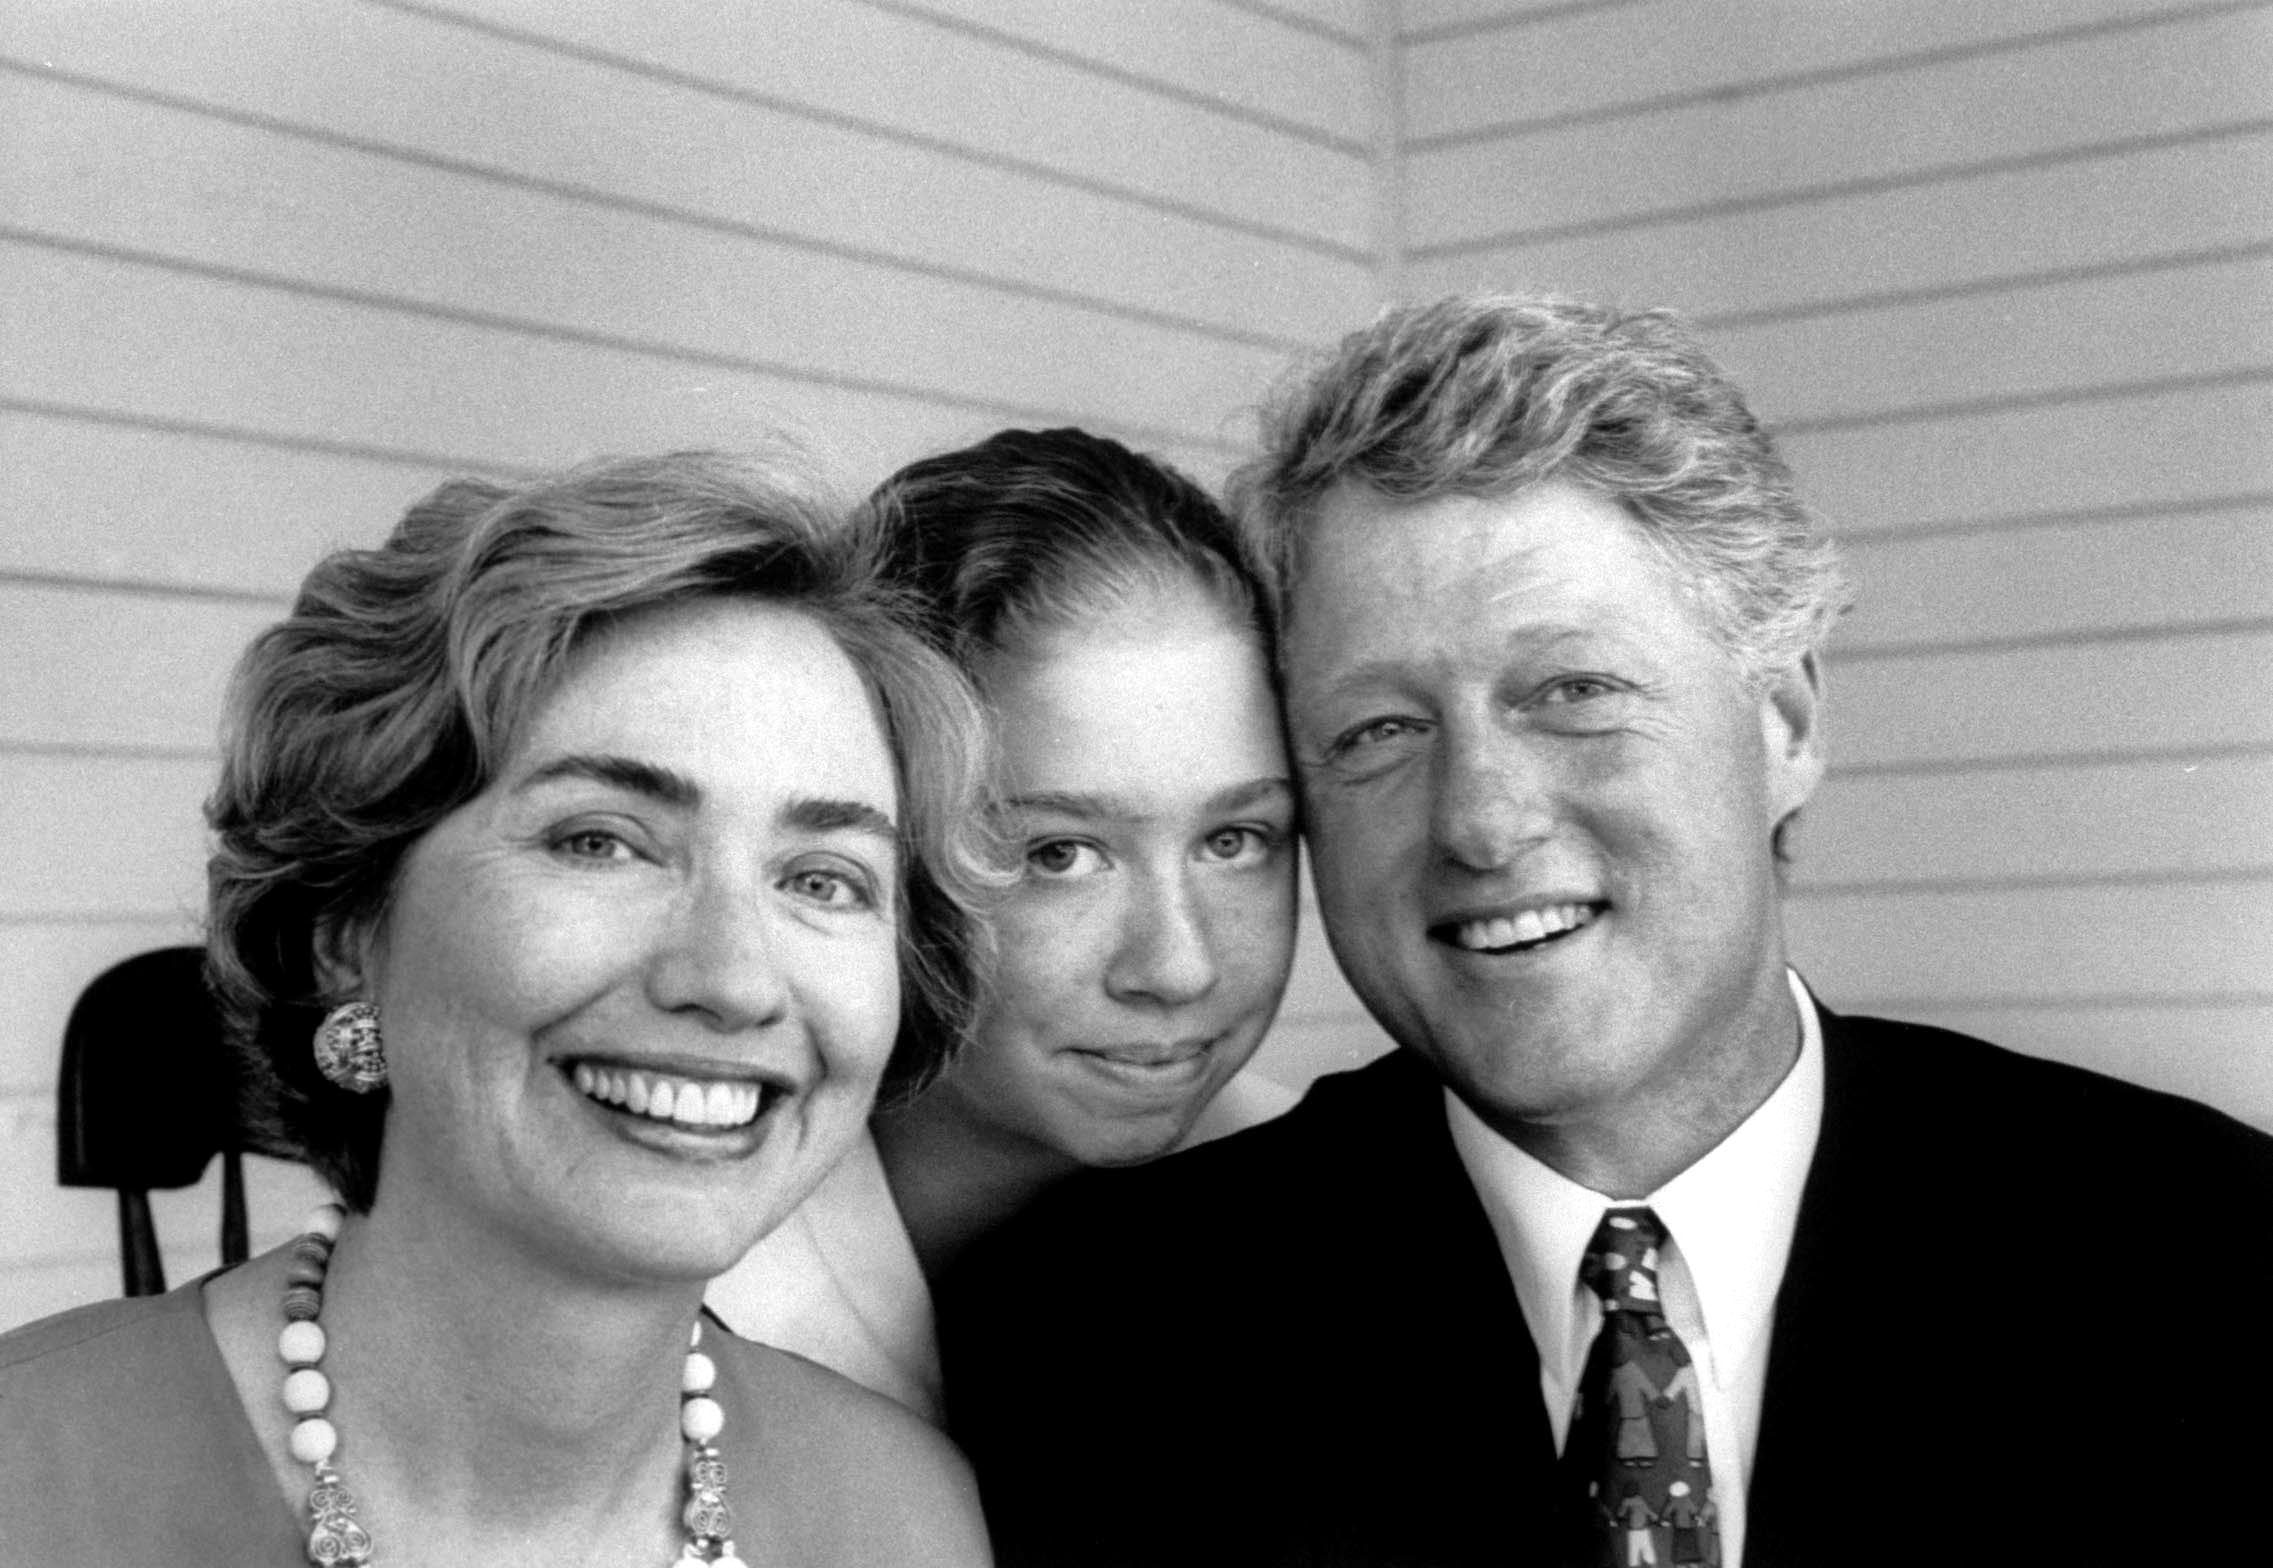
(2024, 1321)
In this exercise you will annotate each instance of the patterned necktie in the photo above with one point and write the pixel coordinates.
(1634, 1468)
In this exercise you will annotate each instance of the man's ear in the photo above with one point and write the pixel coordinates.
(1791, 731)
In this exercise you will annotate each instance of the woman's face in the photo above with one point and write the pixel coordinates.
(637, 994)
(1143, 951)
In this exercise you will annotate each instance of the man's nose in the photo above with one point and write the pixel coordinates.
(1489, 801)
(1166, 953)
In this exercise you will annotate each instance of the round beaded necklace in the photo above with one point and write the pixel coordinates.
(336, 1537)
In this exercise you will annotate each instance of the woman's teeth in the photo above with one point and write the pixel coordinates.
(1532, 925)
(680, 1100)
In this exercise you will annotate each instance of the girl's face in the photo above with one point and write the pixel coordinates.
(1144, 949)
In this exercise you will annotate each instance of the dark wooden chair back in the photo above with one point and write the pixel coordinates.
(148, 1097)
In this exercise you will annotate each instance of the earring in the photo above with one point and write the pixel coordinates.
(348, 1049)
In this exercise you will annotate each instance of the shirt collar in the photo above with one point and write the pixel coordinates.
(1730, 1215)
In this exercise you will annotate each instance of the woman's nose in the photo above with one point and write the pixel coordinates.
(1166, 954)
(720, 958)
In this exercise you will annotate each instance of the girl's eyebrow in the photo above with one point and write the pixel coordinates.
(1102, 807)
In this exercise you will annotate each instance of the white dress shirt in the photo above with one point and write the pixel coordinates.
(1728, 1221)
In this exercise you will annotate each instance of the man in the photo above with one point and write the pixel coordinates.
(1633, 1252)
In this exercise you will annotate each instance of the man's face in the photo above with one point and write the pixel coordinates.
(1540, 798)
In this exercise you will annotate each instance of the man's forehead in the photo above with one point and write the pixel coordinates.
(1543, 551)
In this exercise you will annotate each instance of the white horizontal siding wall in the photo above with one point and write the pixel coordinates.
(2002, 273)
(272, 268)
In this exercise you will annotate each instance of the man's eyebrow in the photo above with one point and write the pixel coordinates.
(624, 773)
(822, 814)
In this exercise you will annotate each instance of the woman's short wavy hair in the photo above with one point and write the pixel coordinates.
(404, 676)
(1483, 395)
(1031, 532)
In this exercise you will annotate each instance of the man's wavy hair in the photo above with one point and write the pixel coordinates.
(1483, 395)
(404, 676)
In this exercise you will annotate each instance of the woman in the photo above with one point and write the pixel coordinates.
(1098, 601)
(600, 820)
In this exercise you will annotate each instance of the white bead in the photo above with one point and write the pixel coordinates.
(324, 1219)
(306, 1392)
(314, 1440)
(301, 1344)
(701, 1420)
(727, 1559)
(700, 1374)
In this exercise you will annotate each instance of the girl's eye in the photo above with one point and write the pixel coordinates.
(1063, 857)
(1239, 845)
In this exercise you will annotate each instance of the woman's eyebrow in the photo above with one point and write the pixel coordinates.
(625, 773)
(822, 814)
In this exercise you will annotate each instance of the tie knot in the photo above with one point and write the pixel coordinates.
(1621, 1261)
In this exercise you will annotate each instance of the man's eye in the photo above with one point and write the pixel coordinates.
(1373, 732)
(1063, 857)
(1577, 688)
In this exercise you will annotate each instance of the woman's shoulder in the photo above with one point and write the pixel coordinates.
(863, 1478)
(61, 1352)
(131, 1395)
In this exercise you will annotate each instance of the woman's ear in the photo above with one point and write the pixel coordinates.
(342, 957)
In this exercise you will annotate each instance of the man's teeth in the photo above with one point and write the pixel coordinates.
(1532, 925)
(681, 1100)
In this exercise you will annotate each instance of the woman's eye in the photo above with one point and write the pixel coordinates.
(594, 844)
(1063, 857)
(832, 888)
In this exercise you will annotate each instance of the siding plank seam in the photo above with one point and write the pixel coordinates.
(1300, 23)
(1174, 92)
(1822, 76)
(1862, 541)
(2012, 402)
(586, 195)
(1834, 190)
(2051, 1001)
(1477, 25)
(270, 440)
(2028, 762)
(142, 587)
(1047, 173)
(1988, 284)
(1804, 891)
(2081, 637)
(110, 751)
(587, 337)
